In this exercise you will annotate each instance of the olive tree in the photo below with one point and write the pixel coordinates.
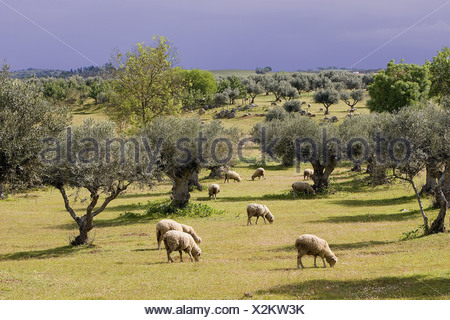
(92, 157)
(352, 97)
(145, 84)
(25, 120)
(301, 139)
(327, 97)
(253, 88)
(185, 146)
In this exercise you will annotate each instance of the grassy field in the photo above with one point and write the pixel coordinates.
(365, 226)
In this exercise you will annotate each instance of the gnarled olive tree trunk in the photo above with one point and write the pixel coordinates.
(322, 171)
(432, 174)
(442, 191)
(180, 187)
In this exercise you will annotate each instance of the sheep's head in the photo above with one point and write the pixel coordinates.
(269, 216)
(238, 179)
(197, 239)
(196, 253)
(331, 260)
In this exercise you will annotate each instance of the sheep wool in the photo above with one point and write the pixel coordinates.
(258, 210)
(301, 186)
(167, 224)
(308, 173)
(232, 175)
(181, 241)
(258, 173)
(213, 190)
(309, 244)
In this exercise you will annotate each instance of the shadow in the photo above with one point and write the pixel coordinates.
(156, 263)
(412, 287)
(274, 196)
(44, 254)
(142, 195)
(284, 269)
(353, 185)
(375, 202)
(127, 207)
(339, 246)
(153, 249)
(400, 216)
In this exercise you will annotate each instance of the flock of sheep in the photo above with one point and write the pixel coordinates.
(180, 237)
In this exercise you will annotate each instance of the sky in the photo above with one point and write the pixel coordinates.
(286, 35)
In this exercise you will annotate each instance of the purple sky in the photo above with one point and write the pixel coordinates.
(226, 34)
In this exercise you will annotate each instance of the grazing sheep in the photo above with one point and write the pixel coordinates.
(334, 119)
(166, 225)
(273, 103)
(308, 173)
(232, 175)
(258, 173)
(201, 111)
(258, 210)
(320, 109)
(181, 241)
(302, 186)
(314, 246)
(213, 190)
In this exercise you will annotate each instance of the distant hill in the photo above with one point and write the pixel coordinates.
(232, 72)
(31, 72)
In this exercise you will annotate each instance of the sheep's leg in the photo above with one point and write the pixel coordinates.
(315, 257)
(181, 256)
(257, 217)
(324, 264)
(190, 255)
(168, 255)
(158, 239)
(299, 261)
(264, 220)
(248, 221)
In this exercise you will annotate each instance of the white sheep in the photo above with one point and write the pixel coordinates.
(181, 241)
(308, 173)
(258, 210)
(314, 246)
(300, 186)
(232, 175)
(258, 173)
(166, 225)
(213, 190)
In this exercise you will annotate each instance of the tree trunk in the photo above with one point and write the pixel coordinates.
(376, 171)
(180, 189)
(419, 200)
(431, 180)
(2, 192)
(356, 167)
(194, 183)
(326, 110)
(217, 172)
(84, 226)
(321, 174)
(438, 224)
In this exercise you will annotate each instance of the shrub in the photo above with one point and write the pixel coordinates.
(292, 106)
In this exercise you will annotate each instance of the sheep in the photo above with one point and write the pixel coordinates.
(258, 173)
(201, 111)
(320, 109)
(213, 190)
(308, 173)
(258, 210)
(273, 103)
(314, 246)
(232, 175)
(181, 241)
(166, 225)
(302, 186)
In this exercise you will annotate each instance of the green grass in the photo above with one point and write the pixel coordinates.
(365, 229)
(372, 230)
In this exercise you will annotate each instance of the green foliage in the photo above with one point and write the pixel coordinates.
(398, 86)
(25, 120)
(327, 97)
(292, 106)
(199, 87)
(145, 84)
(163, 208)
(414, 234)
(277, 113)
(352, 97)
(440, 76)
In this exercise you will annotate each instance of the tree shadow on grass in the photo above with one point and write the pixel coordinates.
(374, 202)
(274, 196)
(43, 254)
(400, 216)
(339, 246)
(413, 287)
(142, 195)
(354, 185)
